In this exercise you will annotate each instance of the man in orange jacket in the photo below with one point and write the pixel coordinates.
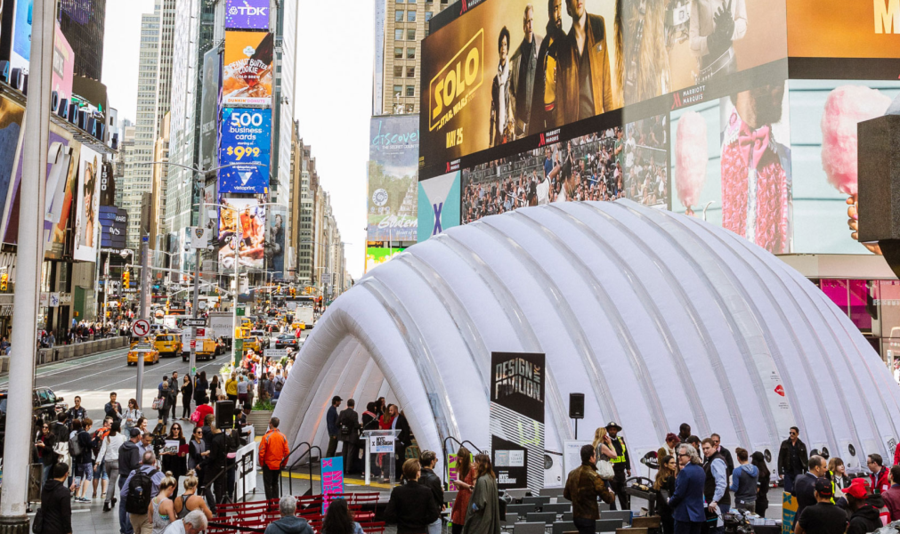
(273, 451)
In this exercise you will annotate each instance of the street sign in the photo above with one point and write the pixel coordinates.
(140, 328)
(276, 354)
(195, 322)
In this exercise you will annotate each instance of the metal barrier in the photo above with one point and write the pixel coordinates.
(446, 456)
(290, 469)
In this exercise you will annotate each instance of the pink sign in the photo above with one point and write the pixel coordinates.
(63, 65)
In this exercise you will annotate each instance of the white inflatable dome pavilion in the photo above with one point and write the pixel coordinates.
(658, 318)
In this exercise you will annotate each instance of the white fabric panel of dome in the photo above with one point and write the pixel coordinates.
(658, 318)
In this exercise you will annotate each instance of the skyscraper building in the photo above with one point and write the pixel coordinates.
(83, 23)
(154, 83)
(404, 27)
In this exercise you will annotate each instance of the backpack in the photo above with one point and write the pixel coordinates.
(279, 383)
(74, 445)
(140, 488)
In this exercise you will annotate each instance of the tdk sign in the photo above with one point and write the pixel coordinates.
(247, 15)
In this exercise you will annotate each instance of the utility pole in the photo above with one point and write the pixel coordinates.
(144, 313)
(193, 365)
(30, 256)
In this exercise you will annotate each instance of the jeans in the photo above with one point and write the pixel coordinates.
(46, 474)
(585, 526)
(124, 521)
(271, 477)
(112, 469)
(687, 527)
(436, 527)
(789, 482)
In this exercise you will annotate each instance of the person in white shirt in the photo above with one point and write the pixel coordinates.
(193, 523)
(109, 457)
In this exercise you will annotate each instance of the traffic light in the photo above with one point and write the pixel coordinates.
(126, 279)
(4, 281)
(293, 292)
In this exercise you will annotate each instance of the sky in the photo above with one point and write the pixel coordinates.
(334, 97)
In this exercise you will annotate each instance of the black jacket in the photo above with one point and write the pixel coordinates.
(57, 508)
(218, 447)
(864, 520)
(432, 482)
(349, 419)
(784, 457)
(405, 435)
(412, 507)
(129, 457)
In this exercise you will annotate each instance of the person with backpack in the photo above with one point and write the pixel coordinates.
(55, 513)
(101, 477)
(129, 460)
(277, 386)
(162, 402)
(82, 457)
(139, 489)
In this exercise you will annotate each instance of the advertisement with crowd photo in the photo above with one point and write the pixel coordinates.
(247, 68)
(393, 175)
(245, 143)
(88, 207)
(242, 230)
(506, 70)
(731, 164)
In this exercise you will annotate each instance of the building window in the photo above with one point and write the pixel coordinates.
(410, 90)
(410, 53)
(410, 16)
(410, 72)
(398, 90)
(398, 53)
(398, 16)
(398, 34)
(398, 71)
(410, 34)
(428, 15)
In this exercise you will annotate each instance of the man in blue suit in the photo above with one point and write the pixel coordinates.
(687, 501)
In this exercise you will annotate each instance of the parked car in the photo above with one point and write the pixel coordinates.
(45, 406)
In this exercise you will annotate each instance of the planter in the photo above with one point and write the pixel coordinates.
(260, 421)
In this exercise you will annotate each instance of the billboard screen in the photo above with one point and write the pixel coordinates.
(375, 256)
(244, 218)
(245, 138)
(63, 65)
(209, 108)
(62, 189)
(274, 248)
(86, 216)
(247, 69)
(114, 227)
(504, 71)
(21, 40)
(247, 15)
(861, 29)
(439, 200)
(393, 173)
(11, 116)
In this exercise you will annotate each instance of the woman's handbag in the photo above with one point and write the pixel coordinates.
(605, 470)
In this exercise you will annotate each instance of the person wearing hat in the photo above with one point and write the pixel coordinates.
(823, 517)
(863, 516)
(621, 466)
(334, 430)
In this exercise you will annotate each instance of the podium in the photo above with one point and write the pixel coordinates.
(381, 456)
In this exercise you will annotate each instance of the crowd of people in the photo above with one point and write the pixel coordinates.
(346, 427)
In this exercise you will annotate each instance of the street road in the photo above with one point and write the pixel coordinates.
(93, 378)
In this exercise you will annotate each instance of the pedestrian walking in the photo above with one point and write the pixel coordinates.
(465, 483)
(174, 389)
(201, 387)
(56, 504)
(484, 506)
(338, 520)
(764, 478)
(349, 423)
(138, 490)
(864, 517)
(214, 387)
(664, 485)
(132, 414)
(621, 466)
(129, 460)
(823, 517)
(175, 462)
(197, 455)
(291, 524)
(334, 430)
(112, 408)
(162, 509)
(715, 486)
(108, 456)
(792, 459)
(187, 392)
(428, 459)
(687, 501)
(744, 482)
(583, 487)
(101, 477)
(162, 401)
(273, 452)
(411, 505)
(193, 523)
(45, 443)
(82, 457)
(218, 457)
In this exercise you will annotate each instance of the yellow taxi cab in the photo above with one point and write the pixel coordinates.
(145, 349)
(168, 344)
(252, 343)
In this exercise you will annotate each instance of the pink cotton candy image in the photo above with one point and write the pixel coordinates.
(691, 158)
(847, 106)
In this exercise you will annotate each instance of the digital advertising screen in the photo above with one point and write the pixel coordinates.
(247, 68)
(247, 15)
(87, 214)
(376, 256)
(209, 108)
(242, 227)
(439, 200)
(393, 174)
(245, 139)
